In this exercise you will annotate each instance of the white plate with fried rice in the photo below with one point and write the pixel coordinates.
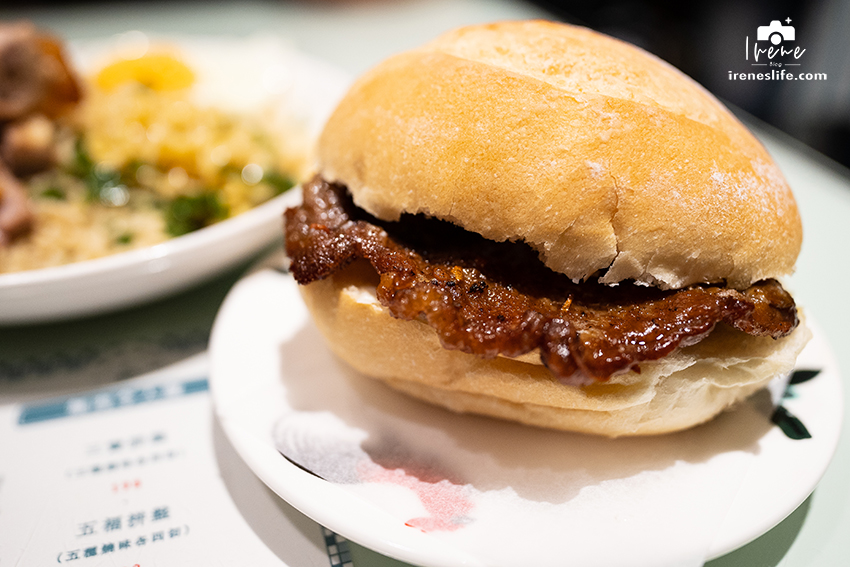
(68, 267)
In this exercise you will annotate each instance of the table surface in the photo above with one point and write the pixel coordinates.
(355, 36)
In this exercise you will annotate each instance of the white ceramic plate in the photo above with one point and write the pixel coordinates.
(307, 91)
(433, 488)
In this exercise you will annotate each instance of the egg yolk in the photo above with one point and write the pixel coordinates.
(157, 71)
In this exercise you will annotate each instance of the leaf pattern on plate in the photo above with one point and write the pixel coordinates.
(790, 425)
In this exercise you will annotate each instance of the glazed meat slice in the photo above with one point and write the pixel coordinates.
(497, 298)
(34, 76)
(28, 145)
(36, 85)
(15, 213)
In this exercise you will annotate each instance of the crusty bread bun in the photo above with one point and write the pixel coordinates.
(597, 154)
(608, 162)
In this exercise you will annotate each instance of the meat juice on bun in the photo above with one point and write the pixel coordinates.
(537, 222)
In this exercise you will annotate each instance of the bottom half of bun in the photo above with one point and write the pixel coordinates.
(685, 388)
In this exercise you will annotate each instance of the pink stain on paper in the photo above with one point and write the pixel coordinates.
(445, 502)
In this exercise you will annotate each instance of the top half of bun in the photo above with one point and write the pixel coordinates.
(606, 160)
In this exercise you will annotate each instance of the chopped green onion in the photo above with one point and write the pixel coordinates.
(81, 165)
(129, 173)
(186, 214)
(54, 193)
(99, 180)
(278, 182)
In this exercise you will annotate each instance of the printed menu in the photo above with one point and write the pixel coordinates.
(138, 474)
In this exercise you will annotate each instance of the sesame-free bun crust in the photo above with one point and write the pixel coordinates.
(603, 158)
(686, 388)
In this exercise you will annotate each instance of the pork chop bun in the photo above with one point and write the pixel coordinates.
(533, 221)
